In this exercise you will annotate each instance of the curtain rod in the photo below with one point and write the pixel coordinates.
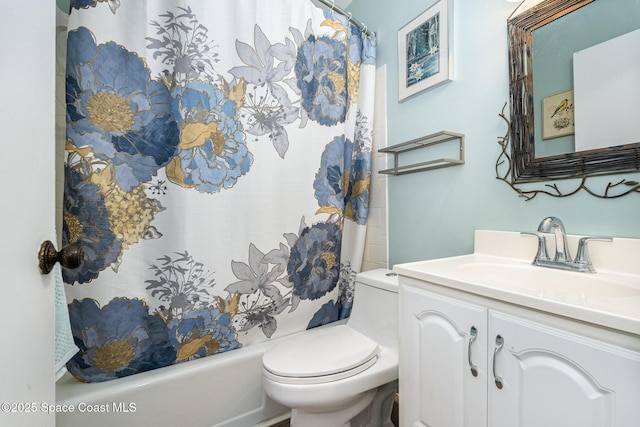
(331, 4)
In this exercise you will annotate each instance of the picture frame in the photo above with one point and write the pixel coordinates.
(425, 56)
(558, 115)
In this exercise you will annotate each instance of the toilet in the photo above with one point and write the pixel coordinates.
(344, 374)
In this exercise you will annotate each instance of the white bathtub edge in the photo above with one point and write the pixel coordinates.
(224, 390)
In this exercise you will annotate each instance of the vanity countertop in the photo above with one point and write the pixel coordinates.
(500, 268)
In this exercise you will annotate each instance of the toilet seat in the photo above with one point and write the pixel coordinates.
(320, 356)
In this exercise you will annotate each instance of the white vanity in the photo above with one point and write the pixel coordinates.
(487, 339)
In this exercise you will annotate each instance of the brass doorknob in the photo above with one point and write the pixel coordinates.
(69, 257)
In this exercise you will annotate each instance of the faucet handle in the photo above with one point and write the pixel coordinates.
(542, 246)
(582, 257)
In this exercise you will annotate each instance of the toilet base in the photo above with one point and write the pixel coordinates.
(378, 413)
(370, 409)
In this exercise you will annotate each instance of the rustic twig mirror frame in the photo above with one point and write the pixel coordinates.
(525, 166)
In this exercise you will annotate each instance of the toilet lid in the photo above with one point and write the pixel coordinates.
(321, 352)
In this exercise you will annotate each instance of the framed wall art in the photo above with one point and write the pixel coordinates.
(557, 115)
(425, 50)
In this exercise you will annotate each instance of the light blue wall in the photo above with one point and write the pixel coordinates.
(433, 214)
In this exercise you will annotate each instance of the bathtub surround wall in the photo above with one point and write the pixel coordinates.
(376, 249)
(433, 214)
(218, 181)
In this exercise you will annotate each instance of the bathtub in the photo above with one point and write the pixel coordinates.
(223, 390)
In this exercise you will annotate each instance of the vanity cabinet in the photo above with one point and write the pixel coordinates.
(437, 388)
(468, 364)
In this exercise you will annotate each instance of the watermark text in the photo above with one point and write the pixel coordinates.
(82, 407)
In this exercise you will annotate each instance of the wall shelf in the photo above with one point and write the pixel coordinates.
(423, 142)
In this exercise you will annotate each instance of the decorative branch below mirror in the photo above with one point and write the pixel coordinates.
(504, 170)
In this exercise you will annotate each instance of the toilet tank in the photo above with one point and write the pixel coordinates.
(375, 306)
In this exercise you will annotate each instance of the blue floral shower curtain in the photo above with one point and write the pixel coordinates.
(217, 175)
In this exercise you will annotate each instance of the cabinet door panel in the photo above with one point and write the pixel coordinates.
(554, 378)
(437, 386)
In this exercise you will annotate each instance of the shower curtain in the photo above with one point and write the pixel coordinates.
(217, 175)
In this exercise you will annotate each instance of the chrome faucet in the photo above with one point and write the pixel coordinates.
(553, 224)
(562, 258)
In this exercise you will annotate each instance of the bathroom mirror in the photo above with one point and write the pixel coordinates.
(526, 166)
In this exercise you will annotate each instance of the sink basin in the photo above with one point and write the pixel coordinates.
(551, 283)
(500, 269)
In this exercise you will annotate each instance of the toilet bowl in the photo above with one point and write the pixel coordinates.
(343, 375)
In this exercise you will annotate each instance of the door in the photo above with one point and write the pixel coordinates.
(442, 361)
(27, 189)
(554, 378)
